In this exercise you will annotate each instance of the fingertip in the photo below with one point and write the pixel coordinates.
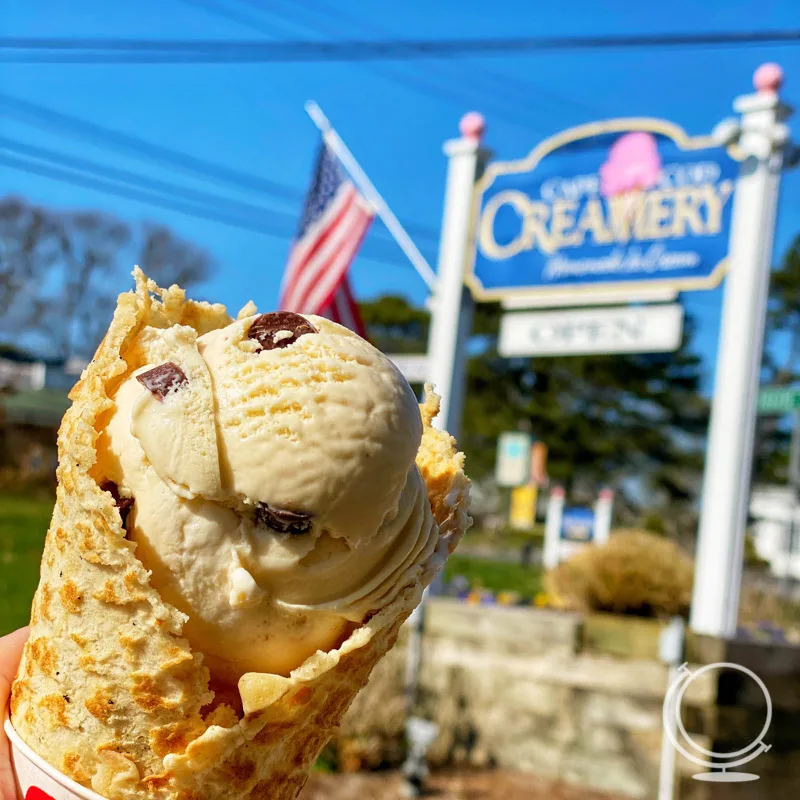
(11, 652)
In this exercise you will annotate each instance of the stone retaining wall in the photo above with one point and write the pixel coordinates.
(575, 698)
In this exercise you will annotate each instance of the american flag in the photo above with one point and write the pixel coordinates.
(335, 221)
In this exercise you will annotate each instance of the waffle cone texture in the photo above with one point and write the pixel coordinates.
(108, 690)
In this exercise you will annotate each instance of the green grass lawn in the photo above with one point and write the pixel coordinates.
(495, 575)
(23, 525)
(504, 539)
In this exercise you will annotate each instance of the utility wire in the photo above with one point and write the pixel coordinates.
(245, 18)
(519, 92)
(515, 113)
(243, 210)
(461, 88)
(278, 226)
(49, 119)
(42, 116)
(185, 51)
(132, 193)
(249, 19)
(259, 24)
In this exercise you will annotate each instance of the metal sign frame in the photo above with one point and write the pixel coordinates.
(583, 292)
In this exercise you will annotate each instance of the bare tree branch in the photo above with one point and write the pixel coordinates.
(60, 272)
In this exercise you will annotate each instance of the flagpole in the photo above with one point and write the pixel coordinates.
(364, 185)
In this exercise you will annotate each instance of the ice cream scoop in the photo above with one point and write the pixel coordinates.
(276, 497)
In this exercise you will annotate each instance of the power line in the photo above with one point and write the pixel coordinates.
(186, 51)
(132, 193)
(280, 227)
(493, 82)
(83, 129)
(499, 95)
(243, 210)
(50, 119)
(230, 13)
(425, 85)
(246, 18)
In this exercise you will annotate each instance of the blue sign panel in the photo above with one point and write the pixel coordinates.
(577, 525)
(615, 205)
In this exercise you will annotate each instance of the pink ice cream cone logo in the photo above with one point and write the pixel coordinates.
(632, 167)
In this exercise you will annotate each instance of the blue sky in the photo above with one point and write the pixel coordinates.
(394, 116)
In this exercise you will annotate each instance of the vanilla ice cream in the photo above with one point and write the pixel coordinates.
(275, 496)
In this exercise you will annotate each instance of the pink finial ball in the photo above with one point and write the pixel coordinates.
(768, 78)
(472, 125)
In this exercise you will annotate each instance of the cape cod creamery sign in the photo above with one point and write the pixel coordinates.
(612, 205)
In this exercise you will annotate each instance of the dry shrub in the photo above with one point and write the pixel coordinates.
(763, 606)
(635, 572)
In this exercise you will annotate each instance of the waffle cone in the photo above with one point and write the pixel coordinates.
(110, 693)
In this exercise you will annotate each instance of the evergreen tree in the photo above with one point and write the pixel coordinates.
(780, 365)
(633, 422)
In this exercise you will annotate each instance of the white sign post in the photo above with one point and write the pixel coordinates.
(451, 321)
(552, 528)
(452, 302)
(603, 516)
(762, 136)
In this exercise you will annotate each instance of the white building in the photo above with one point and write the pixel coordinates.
(776, 540)
(21, 373)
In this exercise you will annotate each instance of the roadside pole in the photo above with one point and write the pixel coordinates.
(672, 646)
(452, 302)
(451, 322)
(794, 485)
(552, 528)
(603, 516)
(762, 137)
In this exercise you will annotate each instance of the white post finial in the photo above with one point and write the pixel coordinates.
(761, 137)
(768, 78)
(472, 126)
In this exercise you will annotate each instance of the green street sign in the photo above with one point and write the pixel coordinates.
(778, 400)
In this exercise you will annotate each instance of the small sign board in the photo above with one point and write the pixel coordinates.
(522, 515)
(646, 329)
(778, 400)
(577, 525)
(413, 367)
(513, 459)
(539, 464)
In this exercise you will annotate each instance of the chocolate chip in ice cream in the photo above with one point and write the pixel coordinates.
(283, 520)
(279, 329)
(163, 379)
(124, 504)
